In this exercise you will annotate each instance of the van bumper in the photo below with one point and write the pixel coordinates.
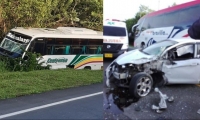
(114, 54)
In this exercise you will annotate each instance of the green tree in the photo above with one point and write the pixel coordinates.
(174, 4)
(50, 13)
(90, 13)
(25, 13)
(143, 10)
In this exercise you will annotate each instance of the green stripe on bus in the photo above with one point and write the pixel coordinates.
(87, 57)
(74, 59)
(78, 59)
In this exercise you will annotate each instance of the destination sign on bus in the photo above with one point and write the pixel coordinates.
(18, 38)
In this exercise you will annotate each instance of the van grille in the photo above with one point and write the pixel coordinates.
(114, 48)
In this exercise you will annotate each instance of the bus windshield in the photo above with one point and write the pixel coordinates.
(114, 31)
(13, 45)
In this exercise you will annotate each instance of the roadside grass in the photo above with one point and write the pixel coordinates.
(3, 66)
(14, 84)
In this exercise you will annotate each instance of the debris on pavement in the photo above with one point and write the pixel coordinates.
(171, 99)
(162, 104)
(198, 111)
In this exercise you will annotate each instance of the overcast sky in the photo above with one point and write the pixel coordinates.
(125, 9)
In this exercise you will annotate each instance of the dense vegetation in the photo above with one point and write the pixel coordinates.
(25, 76)
(9, 64)
(143, 10)
(50, 13)
(21, 77)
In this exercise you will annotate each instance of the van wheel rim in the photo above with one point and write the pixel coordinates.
(144, 86)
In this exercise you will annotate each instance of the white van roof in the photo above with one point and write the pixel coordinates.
(114, 23)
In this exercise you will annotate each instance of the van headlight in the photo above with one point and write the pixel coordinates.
(123, 66)
(130, 65)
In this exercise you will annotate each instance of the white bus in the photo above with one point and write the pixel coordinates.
(115, 38)
(172, 22)
(63, 47)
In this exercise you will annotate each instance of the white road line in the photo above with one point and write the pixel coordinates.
(48, 105)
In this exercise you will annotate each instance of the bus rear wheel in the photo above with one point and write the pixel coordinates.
(87, 67)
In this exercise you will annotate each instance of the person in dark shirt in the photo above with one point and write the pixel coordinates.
(194, 30)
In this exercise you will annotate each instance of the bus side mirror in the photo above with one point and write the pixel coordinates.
(134, 27)
(143, 29)
(137, 30)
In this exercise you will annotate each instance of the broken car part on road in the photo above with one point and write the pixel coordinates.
(162, 104)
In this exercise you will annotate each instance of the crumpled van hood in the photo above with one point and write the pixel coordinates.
(134, 57)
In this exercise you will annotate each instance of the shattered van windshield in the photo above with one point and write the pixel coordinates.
(158, 48)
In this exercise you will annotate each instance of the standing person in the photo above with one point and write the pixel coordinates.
(194, 30)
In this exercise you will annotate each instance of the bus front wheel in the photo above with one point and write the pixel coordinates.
(142, 45)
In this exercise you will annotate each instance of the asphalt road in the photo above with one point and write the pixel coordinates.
(67, 104)
(185, 105)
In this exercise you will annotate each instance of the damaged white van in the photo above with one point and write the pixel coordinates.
(173, 61)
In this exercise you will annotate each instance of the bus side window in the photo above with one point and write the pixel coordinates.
(92, 49)
(67, 50)
(39, 47)
(52, 50)
(76, 49)
(83, 50)
(59, 50)
(99, 50)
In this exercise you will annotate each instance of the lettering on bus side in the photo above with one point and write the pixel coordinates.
(161, 32)
(57, 60)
